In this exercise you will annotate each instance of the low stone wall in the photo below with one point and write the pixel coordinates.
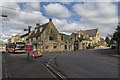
(101, 47)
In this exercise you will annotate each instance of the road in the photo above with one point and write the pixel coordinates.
(83, 64)
(18, 66)
(75, 64)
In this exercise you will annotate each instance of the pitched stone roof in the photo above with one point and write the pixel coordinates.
(24, 35)
(62, 34)
(38, 33)
(91, 32)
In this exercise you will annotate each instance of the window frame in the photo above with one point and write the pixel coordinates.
(54, 47)
(61, 37)
(47, 47)
(50, 38)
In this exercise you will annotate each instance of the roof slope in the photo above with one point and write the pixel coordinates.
(38, 33)
(24, 35)
(91, 32)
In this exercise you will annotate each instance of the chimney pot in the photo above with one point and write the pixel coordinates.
(37, 24)
(50, 20)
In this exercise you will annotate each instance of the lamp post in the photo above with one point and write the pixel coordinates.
(3, 15)
(29, 27)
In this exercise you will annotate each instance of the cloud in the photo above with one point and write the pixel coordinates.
(17, 20)
(92, 15)
(57, 10)
(63, 26)
(22, 18)
(97, 12)
(31, 6)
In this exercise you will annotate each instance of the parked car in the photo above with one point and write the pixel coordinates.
(113, 47)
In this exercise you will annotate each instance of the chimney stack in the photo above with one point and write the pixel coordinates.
(50, 20)
(37, 24)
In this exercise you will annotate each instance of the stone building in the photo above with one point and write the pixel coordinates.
(16, 38)
(47, 38)
(68, 41)
(88, 37)
(25, 38)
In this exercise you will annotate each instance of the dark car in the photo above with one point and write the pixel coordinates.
(113, 47)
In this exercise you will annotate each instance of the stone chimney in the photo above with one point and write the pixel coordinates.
(37, 24)
(50, 20)
(75, 31)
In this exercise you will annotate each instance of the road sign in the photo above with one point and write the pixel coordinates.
(28, 47)
(39, 53)
(35, 53)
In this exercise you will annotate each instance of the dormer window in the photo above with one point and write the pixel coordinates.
(40, 29)
(51, 31)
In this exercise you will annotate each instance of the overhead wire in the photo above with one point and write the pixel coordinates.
(18, 10)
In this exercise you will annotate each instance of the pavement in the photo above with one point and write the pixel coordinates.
(18, 66)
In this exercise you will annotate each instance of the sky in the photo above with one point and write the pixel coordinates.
(66, 16)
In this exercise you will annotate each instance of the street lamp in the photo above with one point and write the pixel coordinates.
(3, 15)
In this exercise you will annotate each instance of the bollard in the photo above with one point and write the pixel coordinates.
(33, 56)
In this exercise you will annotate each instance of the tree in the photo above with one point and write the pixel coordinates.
(116, 37)
(107, 40)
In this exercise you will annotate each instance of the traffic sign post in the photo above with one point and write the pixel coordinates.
(29, 27)
(28, 48)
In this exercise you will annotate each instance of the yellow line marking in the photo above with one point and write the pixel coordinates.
(58, 73)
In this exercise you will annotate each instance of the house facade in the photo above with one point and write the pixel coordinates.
(88, 37)
(16, 38)
(46, 38)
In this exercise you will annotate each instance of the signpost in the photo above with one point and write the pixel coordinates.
(28, 48)
(35, 53)
(43, 46)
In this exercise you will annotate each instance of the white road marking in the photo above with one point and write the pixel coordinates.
(51, 59)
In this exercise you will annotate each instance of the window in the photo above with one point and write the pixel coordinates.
(27, 40)
(46, 47)
(75, 37)
(61, 37)
(51, 31)
(36, 38)
(31, 39)
(65, 46)
(54, 47)
(71, 39)
(50, 38)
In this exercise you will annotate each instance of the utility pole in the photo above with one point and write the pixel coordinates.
(29, 27)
